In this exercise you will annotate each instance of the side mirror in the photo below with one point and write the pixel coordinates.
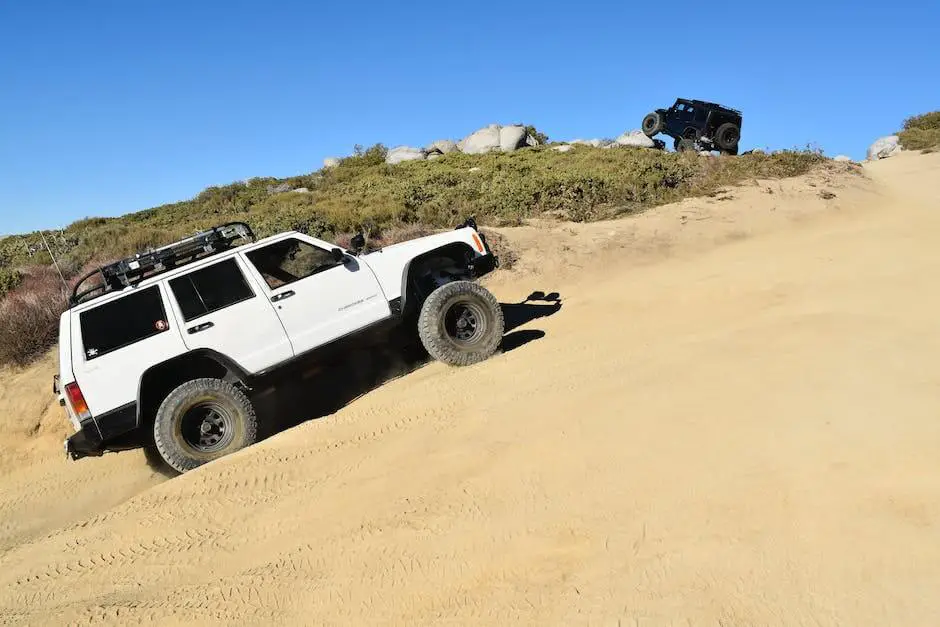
(338, 255)
(357, 243)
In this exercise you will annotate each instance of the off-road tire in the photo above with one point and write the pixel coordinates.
(727, 136)
(652, 124)
(233, 408)
(685, 145)
(436, 323)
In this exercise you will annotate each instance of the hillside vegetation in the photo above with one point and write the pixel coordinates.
(921, 132)
(388, 202)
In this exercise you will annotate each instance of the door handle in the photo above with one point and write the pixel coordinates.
(282, 296)
(200, 327)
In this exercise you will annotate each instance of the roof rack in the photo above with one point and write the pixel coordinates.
(133, 270)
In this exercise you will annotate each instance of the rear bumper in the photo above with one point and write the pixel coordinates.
(85, 443)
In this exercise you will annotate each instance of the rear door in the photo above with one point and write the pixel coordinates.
(219, 309)
(318, 298)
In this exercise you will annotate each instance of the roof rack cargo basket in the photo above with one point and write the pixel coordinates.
(133, 270)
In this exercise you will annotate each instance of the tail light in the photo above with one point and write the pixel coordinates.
(476, 240)
(77, 401)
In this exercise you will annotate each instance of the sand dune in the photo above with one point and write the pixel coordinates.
(731, 419)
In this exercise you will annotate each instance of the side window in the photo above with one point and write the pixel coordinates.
(123, 322)
(290, 260)
(210, 289)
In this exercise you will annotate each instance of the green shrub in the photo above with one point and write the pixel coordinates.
(10, 278)
(921, 132)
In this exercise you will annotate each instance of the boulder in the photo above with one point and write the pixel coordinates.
(635, 138)
(531, 141)
(884, 147)
(301, 190)
(842, 158)
(434, 155)
(511, 137)
(443, 146)
(404, 153)
(481, 141)
(330, 162)
(562, 147)
(280, 188)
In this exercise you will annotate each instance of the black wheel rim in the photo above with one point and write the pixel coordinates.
(207, 427)
(465, 323)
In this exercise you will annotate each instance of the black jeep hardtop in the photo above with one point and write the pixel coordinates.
(696, 125)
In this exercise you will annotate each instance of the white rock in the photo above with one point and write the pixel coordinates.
(841, 158)
(511, 137)
(330, 162)
(531, 141)
(884, 147)
(444, 146)
(480, 141)
(635, 138)
(301, 190)
(562, 148)
(404, 153)
(473, 170)
(434, 155)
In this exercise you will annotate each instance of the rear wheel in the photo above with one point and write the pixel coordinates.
(203, 420)
(727, 136)
(685, 145)
(652, 124)
(461, 323)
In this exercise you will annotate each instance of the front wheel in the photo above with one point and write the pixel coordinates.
(461, 323)
(652, 124)
(203, 420)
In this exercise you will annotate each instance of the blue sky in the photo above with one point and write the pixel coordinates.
(109, 107)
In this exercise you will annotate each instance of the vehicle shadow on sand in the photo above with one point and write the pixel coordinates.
(325, 388)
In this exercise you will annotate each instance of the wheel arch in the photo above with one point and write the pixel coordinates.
(460, 252)
(162, 378)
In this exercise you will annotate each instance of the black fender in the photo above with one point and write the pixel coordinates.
(192, 364)
(461, 252)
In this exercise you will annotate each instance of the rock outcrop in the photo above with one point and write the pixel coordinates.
(404, 153)
(635, 138)
(480, 141)
(884, 147)
(443, 146)
(330, 162)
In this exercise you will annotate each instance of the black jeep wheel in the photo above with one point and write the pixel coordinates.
(727, 136)
(652, 124)
(685, 145)
(461, 323)
(202, 420)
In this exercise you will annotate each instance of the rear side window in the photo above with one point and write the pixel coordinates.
(123, 322)
(210, 289)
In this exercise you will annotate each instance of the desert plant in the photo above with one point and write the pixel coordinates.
(921, 132)
(29, 316)
(9, 279)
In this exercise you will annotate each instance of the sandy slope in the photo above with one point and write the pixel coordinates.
(732, 419)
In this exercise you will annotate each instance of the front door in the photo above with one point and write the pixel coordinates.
(318, 298)
(219, 310)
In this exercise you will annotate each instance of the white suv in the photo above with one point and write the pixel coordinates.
(169, 344)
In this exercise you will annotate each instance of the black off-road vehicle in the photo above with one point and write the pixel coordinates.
(697, 125)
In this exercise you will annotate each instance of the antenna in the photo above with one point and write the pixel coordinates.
(54, 262)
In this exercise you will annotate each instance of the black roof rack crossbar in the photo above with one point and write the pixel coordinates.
(133, 270)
